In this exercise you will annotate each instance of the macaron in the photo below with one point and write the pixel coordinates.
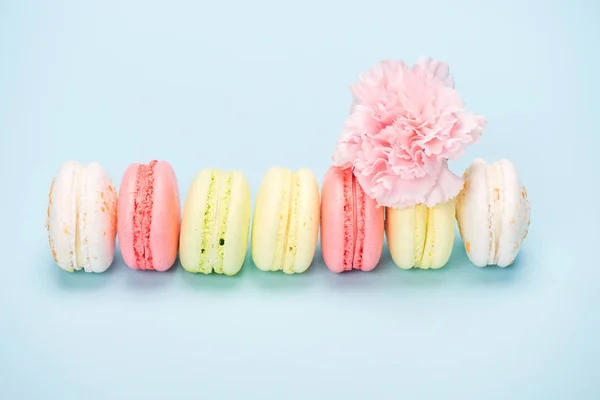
(493, 213)
(419, 236)
(82, 218)
(352, 229)
(285, 225)
(149, 216)
(215, 223)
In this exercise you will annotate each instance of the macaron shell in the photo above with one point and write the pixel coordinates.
(99, 221)
(515, 217)
(166, 217)
(265, 222)
(373, 235)
(127, 193)
(307, 226)
(237, 225)
(192, 224)
(332, 220)
(402, 230)
(472, 213)
(62, 216)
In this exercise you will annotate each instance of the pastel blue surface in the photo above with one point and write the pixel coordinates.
(249, 85)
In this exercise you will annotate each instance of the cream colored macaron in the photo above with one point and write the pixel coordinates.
(421, 236)
(493, 213)
(215, 223)
(82, 218)
(285, 224)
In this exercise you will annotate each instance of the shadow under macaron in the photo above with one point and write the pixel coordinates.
(78, 281)
(148, 280)
(493, 275)
(462, 270)
(459, 271)
(199, 282)
(279, 281)
(379, 277)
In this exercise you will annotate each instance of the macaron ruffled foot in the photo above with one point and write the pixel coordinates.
(285, 225)
(82, 218)
(215, 224)
(493, 213)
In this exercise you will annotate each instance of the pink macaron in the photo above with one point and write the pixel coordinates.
(149, 216)
(352, 227)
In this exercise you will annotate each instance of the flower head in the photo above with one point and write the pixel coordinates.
(404, 124)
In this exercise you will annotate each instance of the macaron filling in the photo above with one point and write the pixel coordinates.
(359, 223)
(291, 239)
(286, 240)
(214, 224)
(221, 226)
(284, 220)
(348, 219)
(421, 232)
(142, 215)
(79, 243)
(81, 237)
(76, 200)
(208, 224)
(495, 210)
(354, 221)
(429, 243)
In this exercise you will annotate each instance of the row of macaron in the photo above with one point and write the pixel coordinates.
(85, 214)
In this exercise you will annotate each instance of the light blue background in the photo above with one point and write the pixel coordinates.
(249, 85)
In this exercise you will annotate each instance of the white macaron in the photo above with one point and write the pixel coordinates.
(82, 218)
(493, 213)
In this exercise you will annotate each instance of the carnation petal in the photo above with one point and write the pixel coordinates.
(447, 186)
(437, 69)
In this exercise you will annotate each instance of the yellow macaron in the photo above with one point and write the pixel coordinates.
(421, 236)
(215, 223)
(285, 224)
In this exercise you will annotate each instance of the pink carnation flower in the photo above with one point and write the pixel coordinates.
(404, 124)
